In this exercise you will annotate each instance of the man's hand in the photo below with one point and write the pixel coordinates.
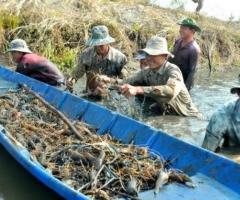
(100, 91)
(72, 80)
(129, 90)
(69, 84)
(96, 84)
(104, 78)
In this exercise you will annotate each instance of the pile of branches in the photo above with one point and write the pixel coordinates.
(98, 166)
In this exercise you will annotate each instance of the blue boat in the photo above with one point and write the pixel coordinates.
(216, 177)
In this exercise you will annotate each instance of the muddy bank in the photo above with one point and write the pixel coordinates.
(59, 29)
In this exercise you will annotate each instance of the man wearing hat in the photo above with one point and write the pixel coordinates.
(100, 57)
(33, 65)
(224, 125)
(162, 81)
(186, 51)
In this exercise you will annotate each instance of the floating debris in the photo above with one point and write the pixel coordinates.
(97, 166)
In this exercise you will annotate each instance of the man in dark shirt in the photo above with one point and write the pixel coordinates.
(33, 65)
(186, 51)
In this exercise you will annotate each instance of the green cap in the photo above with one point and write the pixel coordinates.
(189, 22)
(100, 36)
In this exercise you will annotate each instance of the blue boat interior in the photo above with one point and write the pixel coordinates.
(215, 177)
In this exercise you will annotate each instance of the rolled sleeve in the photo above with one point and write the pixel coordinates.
(148, 91)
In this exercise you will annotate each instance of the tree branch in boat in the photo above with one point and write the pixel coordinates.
(54, 110)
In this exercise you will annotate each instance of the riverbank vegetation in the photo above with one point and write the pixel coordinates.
(58, 29)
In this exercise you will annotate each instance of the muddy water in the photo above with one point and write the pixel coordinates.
(208, 94)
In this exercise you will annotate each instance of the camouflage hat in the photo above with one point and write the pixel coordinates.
(236, 88)
(19, 45)
(100, 36)
(189, 22)
(140, 55)
(156, 46)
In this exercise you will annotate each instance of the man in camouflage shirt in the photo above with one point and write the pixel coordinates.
(100, 57)
(162, 81)
(224, 125)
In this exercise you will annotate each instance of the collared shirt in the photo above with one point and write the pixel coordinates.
(166, 86)
(186, 58)
(224, 123)
(111, 65)
(40, 68)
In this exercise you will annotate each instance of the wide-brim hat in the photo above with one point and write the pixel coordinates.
(157, 46)
(19, 45)
(189, 22)
(100, 36)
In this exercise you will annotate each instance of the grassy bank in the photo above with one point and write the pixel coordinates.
(58, 29)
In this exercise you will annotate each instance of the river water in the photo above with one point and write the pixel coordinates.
(209, 93)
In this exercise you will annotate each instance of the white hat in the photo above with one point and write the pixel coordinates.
(157, 46)
(19, 45)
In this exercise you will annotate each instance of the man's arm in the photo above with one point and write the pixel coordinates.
(27, 69)
(128, 88)
(163, 92)
(136, 79)
(123, 72)
(80, 68)
(216, 129)
(168, 91)
(193, 61)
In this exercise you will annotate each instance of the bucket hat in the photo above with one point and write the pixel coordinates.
(156, 46)
(19, 45)
(100, 36)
